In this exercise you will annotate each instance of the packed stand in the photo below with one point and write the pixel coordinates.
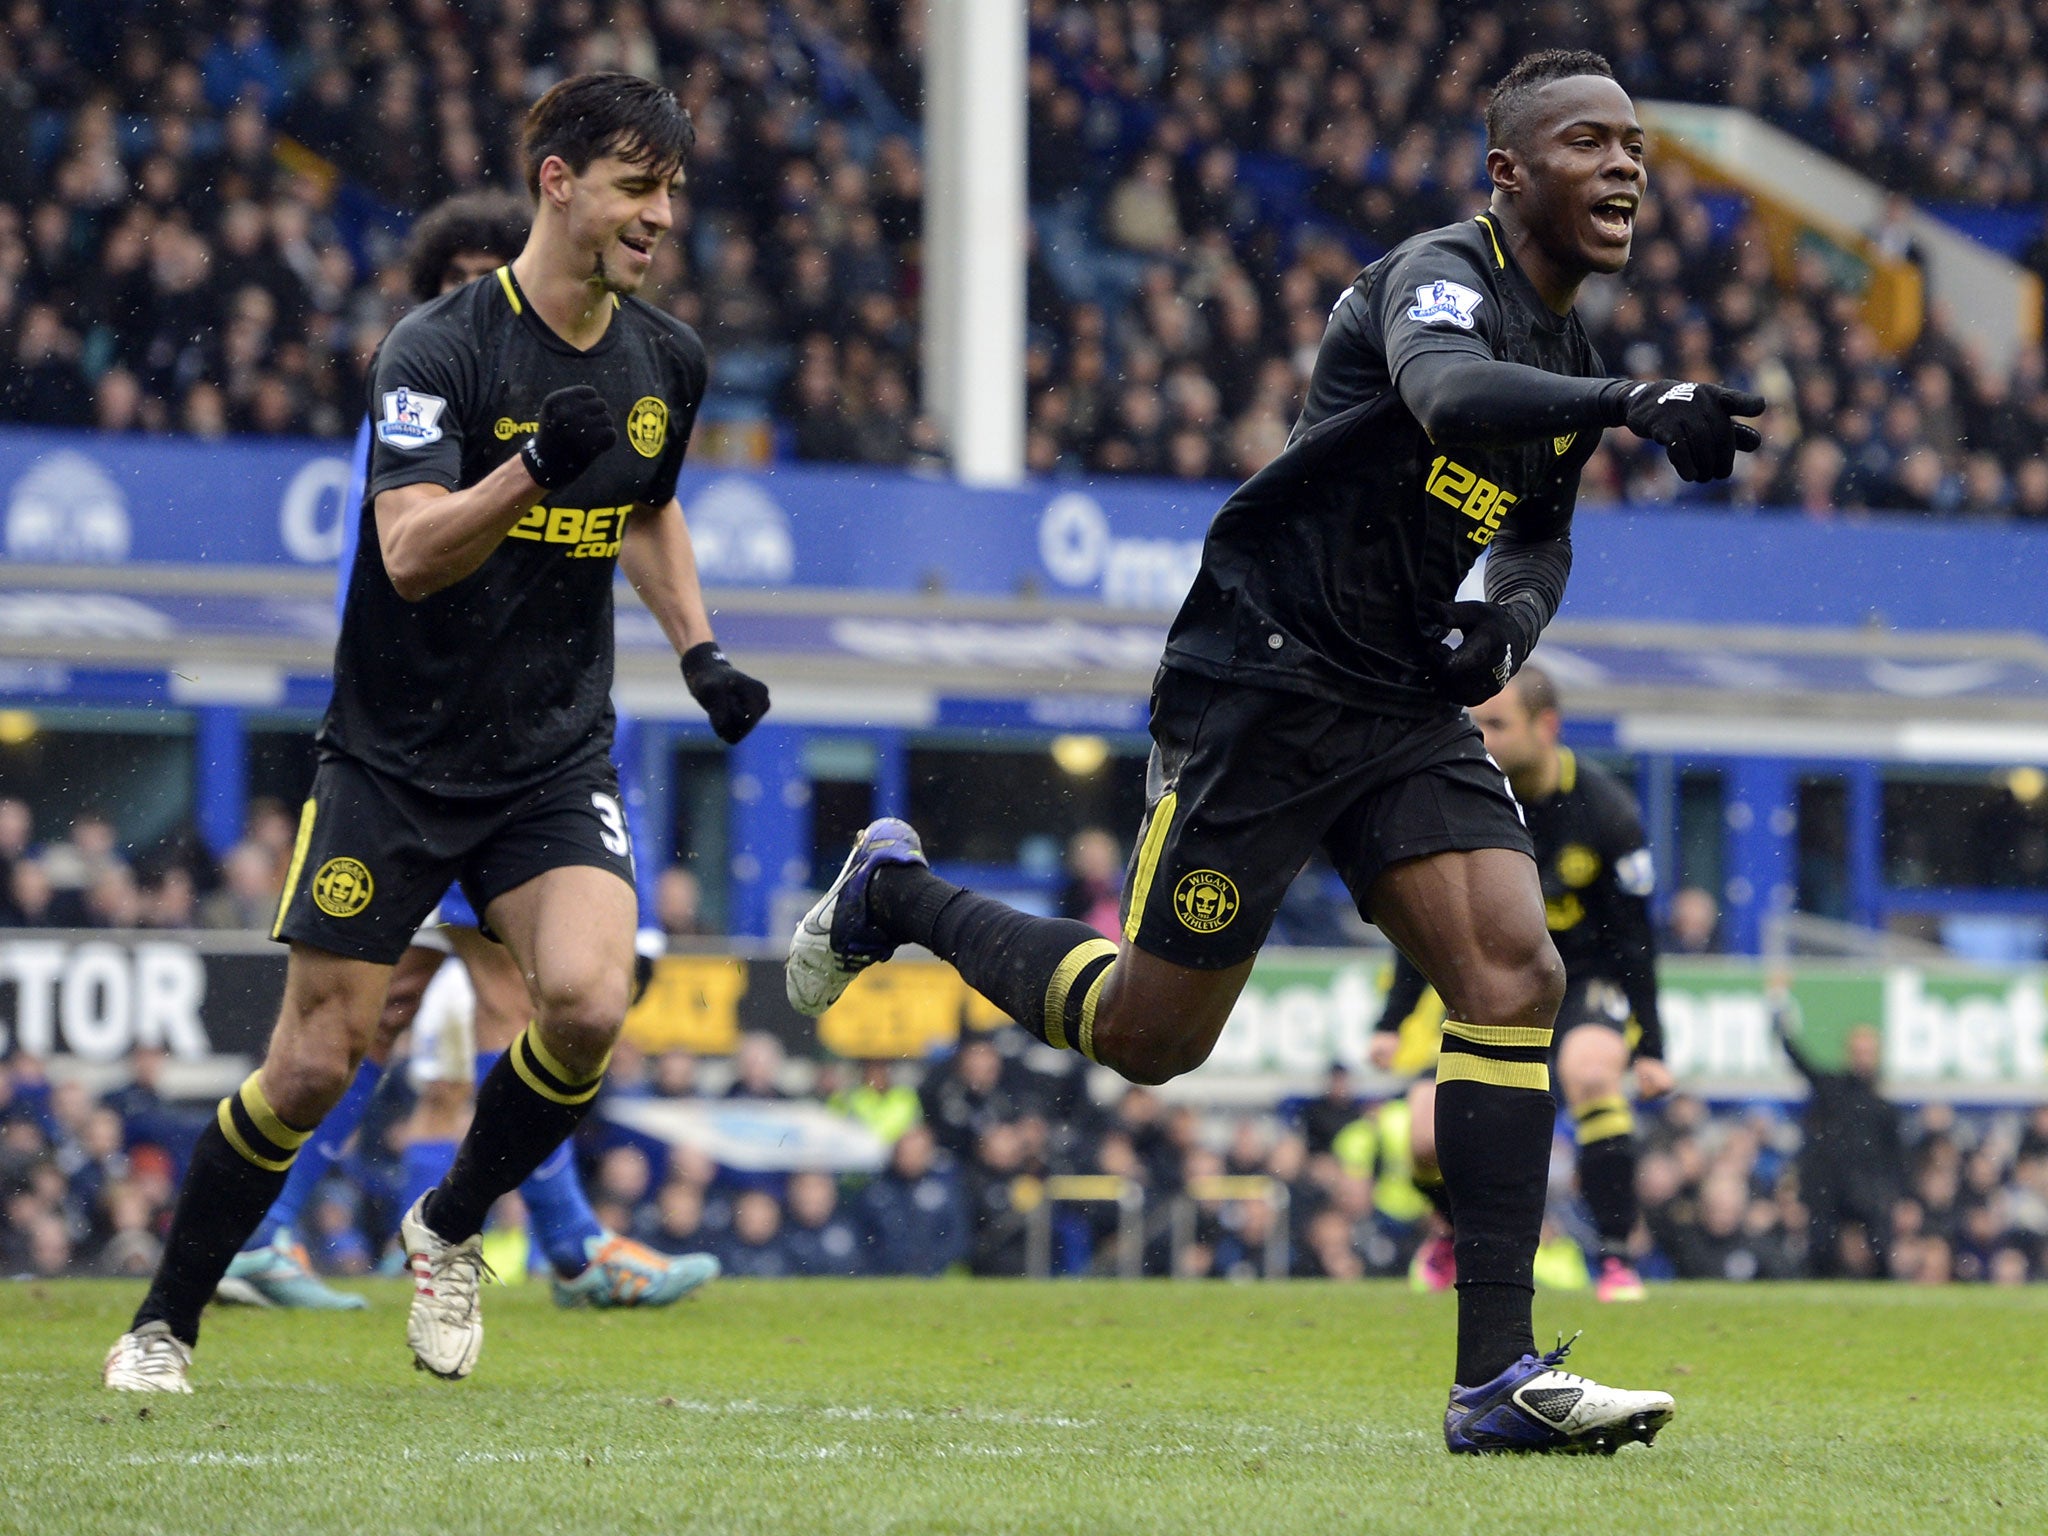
(1966, 1199)
(198, 220)
(86, 878)
(976, 1140)
(1945, 102)
(1206, 179)
(200, 215)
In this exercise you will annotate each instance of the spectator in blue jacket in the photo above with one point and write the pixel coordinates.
(912, 1214)
(821, 1238)
(755, 1247)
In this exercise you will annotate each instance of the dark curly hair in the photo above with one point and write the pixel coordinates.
(1508, 106)
(495, 223)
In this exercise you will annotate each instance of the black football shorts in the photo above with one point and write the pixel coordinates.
(1245, 783)
(1594, 1000)
(374, 854)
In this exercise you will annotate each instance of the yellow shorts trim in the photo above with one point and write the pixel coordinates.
(1148, 860)
(298, 866)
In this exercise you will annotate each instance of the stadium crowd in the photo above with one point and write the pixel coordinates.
(1209, 177)
(200, 207)
(88, 880)
(198, 213)
(86, 1183)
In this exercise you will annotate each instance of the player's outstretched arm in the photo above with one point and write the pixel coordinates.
(657, 557)
(1462, 398)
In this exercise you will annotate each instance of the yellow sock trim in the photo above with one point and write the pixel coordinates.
(227, 1129)
(291, 879)
(577, 1093)
(266, 1118)
(1086, 1043)
(553, 1067)
(1458, 1067)
(1499, 1034)
(225, 1116)
(1603, 1119)
(1148, 861)
(1063, 982)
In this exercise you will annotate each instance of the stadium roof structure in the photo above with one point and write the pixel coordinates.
(182, 636)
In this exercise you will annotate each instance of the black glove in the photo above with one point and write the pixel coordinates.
(575, 427)
(1498, 639)
(1695, 423)
(734, 701)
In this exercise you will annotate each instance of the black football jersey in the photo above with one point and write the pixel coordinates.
(1597, 879)
(494, 683)
(1313, 571)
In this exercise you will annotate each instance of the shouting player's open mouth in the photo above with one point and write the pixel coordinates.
(1615, 217)
(640, 248)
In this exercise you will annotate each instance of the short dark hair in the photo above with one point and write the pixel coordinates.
(1534, 688)
(492, 222)
(587, 117)
(1508, 106)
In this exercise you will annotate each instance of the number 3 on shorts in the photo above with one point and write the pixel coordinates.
(615, 840)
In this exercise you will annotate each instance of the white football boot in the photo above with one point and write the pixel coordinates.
(445, 1326)
(148, 1360)
(1534, 1406)
(835, 942)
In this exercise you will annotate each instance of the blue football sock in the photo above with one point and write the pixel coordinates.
(316, 1157)
(426, 1164)
(561, 1216)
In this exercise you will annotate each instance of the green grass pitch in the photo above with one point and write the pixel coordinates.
(1085, 1407)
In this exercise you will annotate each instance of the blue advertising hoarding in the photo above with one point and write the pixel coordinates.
(81, 498)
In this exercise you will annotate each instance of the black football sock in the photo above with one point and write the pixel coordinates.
(1607, 1169)
(238, 1166)
(526, 1106)
(1494, 1115)
(1047, 973)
